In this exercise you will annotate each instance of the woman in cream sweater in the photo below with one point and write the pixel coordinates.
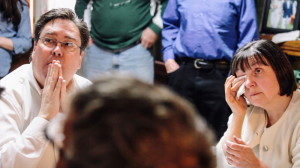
(264, 128)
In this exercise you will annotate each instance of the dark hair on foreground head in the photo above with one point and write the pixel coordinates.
(67, 14)
(121, 122)
(1, 90)
(267, 53)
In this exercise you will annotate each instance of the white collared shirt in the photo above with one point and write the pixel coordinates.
(22, 140)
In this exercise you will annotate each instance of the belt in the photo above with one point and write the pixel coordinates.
(120, 49)
(199, 63)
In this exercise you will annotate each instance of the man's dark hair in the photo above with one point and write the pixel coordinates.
(67, 14)
(267, 53)
(123, 122)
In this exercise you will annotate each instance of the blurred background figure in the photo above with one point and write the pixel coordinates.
(15, 32)
(276, 13)
(288, 12)
(123, 122)
(122, 33)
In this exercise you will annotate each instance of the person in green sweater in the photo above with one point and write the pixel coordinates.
(122, 32)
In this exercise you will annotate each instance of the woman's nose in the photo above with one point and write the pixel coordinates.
(249, 82)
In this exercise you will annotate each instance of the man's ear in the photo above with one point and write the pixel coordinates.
(82, 55)
(34, 45)
(33, 50)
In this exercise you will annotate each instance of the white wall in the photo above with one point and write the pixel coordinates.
(61, 4)
(42, 6)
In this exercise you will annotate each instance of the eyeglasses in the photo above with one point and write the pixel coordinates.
(51, 43)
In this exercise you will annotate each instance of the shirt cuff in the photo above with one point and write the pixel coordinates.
(155, 28)
(168, 54)
(36, 128)
(21, 45)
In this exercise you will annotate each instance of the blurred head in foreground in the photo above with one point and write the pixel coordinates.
(1, 90)
(121, 122)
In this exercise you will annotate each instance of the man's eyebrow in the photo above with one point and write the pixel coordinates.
(70, 38)
(50, 33)
(66, 36)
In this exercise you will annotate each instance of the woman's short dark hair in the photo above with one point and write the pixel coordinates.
(267, 53)
(123, 122)
(63, 13)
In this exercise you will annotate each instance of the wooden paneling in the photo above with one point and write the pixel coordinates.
(291, 48)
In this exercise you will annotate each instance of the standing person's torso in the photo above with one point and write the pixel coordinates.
(119, 23)
(211, 29)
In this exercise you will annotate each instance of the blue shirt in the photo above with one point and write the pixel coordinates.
(21, 38)
(207, 29)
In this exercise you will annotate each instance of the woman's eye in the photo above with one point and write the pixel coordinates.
(258, 71)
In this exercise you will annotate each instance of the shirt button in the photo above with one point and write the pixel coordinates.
(266, 148)
(21, 80)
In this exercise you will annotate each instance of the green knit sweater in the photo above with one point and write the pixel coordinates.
(117, 24)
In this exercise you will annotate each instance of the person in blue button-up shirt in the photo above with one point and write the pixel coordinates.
(15, 32)
(199, 40)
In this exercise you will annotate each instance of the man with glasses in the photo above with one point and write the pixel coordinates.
(35, 92)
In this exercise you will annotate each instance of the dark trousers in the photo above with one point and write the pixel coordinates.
(205, 89)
